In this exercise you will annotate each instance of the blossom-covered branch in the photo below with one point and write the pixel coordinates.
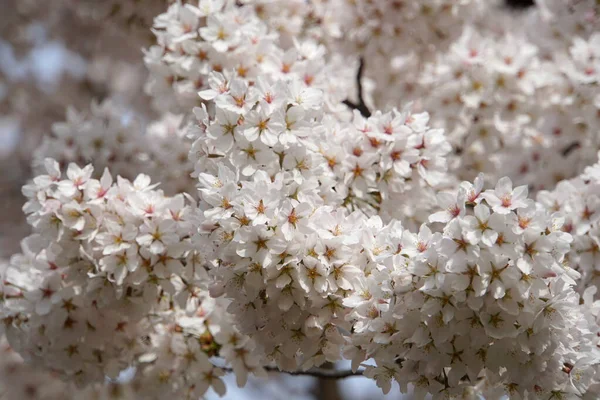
(288, 227)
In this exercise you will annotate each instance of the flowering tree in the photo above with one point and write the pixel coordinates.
(408, 185)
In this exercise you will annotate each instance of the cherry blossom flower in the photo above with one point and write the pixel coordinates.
(503, 198)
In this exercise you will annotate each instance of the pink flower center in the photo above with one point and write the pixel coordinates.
(102, 192)
(524, 222)
(454, 211)
(472, 196)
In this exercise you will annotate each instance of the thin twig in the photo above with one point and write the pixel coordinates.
(361, 106)
(570, 148)
(316, 372)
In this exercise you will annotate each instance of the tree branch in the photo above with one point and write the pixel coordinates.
(316, 372)
(361, 106)
(327, 389)
(519, 4)
(570, 148)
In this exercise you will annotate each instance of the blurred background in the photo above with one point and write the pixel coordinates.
(65, 53)
(56, 54)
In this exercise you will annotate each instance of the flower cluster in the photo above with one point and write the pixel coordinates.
(293, 231)
(509, 109)
(112, 137)
(389, 163)
(579, 201)
(269, 127)
(385, 32)
(507, 97)
(309, 281)
(488, 296)
(244, 41)
(272, 169)
(110, 279)
(370, 164)
(19, 380)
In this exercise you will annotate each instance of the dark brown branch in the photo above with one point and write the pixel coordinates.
(327, 389)
(316, 372)
(570, 148)
(519, 4)
(361, 106)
